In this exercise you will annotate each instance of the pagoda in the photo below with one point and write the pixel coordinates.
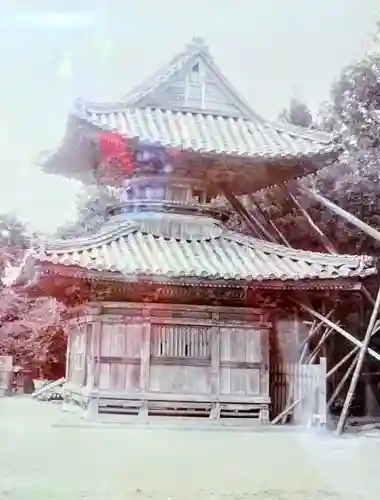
(173, 313)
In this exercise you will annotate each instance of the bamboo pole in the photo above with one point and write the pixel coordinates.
(315, 329)
(359, 365)
(285, 412)
(342, 361)
(324, 337)
(339, 329)
(325, 241)
(342, 213)
(342, 381)
(367, 295)
(351, 353)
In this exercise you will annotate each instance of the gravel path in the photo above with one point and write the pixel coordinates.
(44, 456)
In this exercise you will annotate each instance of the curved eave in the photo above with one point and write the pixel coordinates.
(224, 256)
(76, 158)
(46, 274)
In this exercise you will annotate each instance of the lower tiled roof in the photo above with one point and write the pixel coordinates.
(226, 255)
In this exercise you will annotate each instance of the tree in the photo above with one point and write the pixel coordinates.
(32, 330)
(297, 114)
(92, 205)
(353, 116)
(13, 239)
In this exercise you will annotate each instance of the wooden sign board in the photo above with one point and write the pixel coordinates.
(6, 363)
(6, 368)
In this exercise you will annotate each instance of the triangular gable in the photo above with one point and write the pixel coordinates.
(193, 82)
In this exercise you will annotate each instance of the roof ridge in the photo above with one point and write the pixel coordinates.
(305, 133)
(194, 48)
(80, 243)
(268, 246)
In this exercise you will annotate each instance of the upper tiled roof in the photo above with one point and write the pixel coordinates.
(207, 133)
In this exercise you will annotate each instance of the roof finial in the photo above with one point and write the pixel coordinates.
(198, 43)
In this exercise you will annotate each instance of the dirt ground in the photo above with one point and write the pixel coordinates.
(47, 454)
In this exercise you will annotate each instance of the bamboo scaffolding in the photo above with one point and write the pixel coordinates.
(342, 382)
(315, 328)
(375, 327)
(350, 354)
(336, 367)
(339, 329)
(359, 365)
(290, 405)
(317, 348)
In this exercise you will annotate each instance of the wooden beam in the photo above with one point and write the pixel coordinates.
(255, 226)
(325, 241)
(359, 365)
(265, 216)
(342, 213)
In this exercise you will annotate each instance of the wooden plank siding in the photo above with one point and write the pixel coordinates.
(201, 354)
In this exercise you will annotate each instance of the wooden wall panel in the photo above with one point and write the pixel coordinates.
(240, 381)
(180, 379)
(240, 344)
(134, 340)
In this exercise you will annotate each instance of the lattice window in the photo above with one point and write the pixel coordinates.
(180, 341)
(179, 194)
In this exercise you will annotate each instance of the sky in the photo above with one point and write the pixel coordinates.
(53, 52)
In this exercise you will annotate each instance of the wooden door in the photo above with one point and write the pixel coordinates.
(180, 359)
(243, 361)
(119, 357)
(76, 362)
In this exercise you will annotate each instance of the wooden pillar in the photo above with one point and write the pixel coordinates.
(145, 359)
(94, 380)
(68, 352)
(215, 368)
(96, 345)
(264, 372)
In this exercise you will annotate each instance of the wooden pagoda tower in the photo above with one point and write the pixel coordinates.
(174, 313)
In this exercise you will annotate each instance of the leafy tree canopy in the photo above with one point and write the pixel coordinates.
(353, 116)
